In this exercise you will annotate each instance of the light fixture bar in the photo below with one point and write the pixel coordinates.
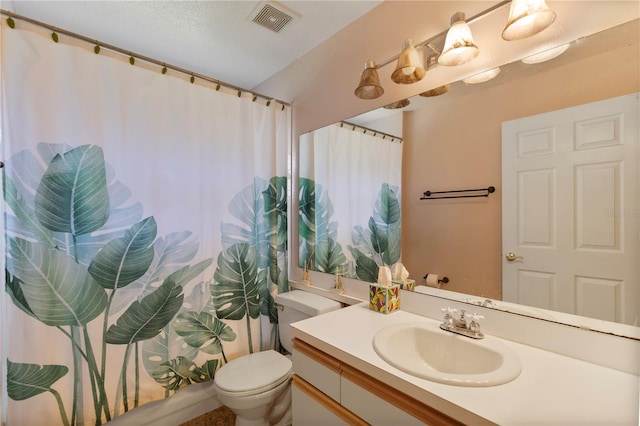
(443, 34)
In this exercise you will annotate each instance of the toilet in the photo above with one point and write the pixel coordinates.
(257, 387)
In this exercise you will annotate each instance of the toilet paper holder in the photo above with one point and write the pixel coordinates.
(442, 280)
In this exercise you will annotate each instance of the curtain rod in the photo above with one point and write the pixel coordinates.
(117, 49)
(375, 132)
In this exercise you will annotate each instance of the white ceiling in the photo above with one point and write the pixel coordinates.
(213, 38)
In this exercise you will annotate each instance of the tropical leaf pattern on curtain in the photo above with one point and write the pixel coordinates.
(22, 180)
(58, 291)
(25, 381)
(76, 256)
(318, 241)
(377, 244)
(72, 196)
(204, 331)
(235, 293)
(253, 268)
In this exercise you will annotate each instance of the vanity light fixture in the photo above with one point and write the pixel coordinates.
(410, 67)
(527, 18)
(369, 87)
(482, 76)
(459, 47)
(546, 55)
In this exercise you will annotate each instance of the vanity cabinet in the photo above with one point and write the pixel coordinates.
(327, 391)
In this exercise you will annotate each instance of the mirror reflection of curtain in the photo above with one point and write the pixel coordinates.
(350, 178)
(145, 230)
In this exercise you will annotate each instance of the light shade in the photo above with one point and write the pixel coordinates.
(436, 92)
(527, 18)
(482, 76)
(397, 105)
(459, 47)
(546, 54)
(409, 68)
(369, 87)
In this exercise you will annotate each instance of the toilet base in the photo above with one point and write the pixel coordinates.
(247, 422)
(285, 420)
(275, 409)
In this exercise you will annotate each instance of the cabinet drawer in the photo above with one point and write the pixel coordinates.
(317, 368)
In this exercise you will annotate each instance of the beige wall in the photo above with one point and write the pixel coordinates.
(455, 143)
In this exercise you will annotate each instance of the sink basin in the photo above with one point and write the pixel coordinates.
(424, 350)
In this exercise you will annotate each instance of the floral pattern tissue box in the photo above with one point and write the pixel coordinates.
(384, 299)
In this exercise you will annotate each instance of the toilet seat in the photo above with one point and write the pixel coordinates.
(254, 373)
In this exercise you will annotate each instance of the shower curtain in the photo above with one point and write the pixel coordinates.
(145, 229)
(349, 194)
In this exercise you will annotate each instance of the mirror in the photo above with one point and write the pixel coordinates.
(461, 239)
(349, 191)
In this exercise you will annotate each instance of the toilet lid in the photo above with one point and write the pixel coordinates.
(257, 372)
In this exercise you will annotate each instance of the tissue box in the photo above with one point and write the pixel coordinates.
(406, 285)
(384, 299)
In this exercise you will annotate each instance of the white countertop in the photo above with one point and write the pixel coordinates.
(552, 389)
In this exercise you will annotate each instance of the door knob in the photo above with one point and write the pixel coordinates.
(512, 256)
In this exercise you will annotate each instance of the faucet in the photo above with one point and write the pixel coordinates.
(487, 303)
(462, 325)
(337, 284)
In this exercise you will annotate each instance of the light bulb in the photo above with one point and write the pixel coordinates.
(459, 47)
(527, 18)
(408, 70)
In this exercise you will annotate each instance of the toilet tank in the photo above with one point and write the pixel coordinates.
(297, 305)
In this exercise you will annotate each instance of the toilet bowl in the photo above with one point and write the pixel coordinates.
(257, 387)
(250, 385)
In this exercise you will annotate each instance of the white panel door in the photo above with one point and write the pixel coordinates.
(570, 210)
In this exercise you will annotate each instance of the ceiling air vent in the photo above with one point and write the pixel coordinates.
(273, 17)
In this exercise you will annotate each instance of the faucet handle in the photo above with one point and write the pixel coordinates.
(449, 311)
(474, 325)
(476, 317)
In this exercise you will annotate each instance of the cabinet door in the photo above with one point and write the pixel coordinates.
(328, 392)
(373, 409)
(377, 403)
(317, 368)
(313, 408)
